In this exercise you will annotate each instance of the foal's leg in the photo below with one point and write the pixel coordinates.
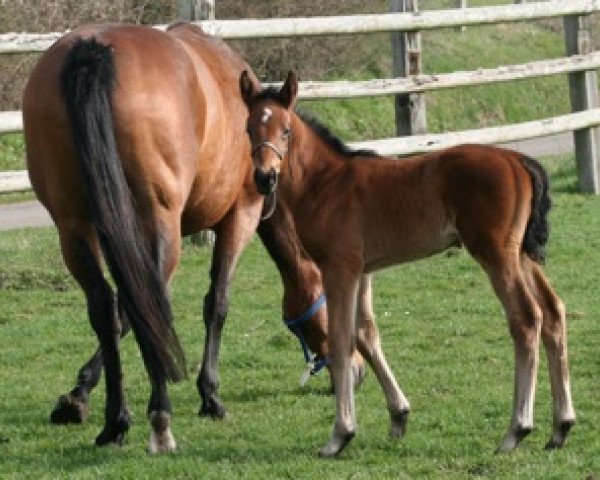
(232, 235)
(554, 336)
(81, 254)
(342, 290)
(74, 406)
(369, 345)
(525, 321)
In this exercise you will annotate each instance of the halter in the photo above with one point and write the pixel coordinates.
(271, 206)
(256, 148)
(294, 325)
(270, 145)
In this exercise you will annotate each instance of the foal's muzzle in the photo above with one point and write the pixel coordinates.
(266, 181)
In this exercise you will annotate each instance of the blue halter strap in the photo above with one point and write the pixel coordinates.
(294, 325)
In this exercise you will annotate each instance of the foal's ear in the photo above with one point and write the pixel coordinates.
(289, 91)
(248, 88)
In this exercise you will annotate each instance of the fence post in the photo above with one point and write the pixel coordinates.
(406, 60)
(583, 89)
(191, 10)
(460, 4)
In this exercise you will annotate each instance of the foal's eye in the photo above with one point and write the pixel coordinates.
(286, 133)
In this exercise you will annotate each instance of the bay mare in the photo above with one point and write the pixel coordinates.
(135, 137)
(356, 212)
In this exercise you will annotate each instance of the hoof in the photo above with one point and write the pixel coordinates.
(559, 436)
(399, 421)
(212, 407)
(336, 445)
(513, 438)
(69, 409)
(161, 438)
(114, 433)
(359, 373)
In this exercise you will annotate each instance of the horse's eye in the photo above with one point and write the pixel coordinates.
(286, 133)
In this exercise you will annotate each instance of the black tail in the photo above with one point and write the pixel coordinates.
(537, 231)
(87, 81)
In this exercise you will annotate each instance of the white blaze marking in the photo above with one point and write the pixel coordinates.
(267, 114)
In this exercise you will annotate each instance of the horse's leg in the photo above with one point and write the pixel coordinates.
(554, 336)
(232, 235)
(82, 257)
(369, 345)
(167, 253)
(525, 321)
(74, 406)
(342, 290)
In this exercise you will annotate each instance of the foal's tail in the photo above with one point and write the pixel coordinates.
(87, 81)
(537, 230)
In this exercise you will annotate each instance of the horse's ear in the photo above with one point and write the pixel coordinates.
(289, 91)
(247, 87)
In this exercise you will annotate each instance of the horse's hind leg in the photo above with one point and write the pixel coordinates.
(73, 407)
(554, 336)
(525, 321)
(369, 345)
(167, 253)
(81, 254)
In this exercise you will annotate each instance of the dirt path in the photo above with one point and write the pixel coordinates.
(32, 214)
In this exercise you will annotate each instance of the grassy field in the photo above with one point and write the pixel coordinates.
(442, 328)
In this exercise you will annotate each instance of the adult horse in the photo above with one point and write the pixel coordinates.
(355, 215)
(134, 137)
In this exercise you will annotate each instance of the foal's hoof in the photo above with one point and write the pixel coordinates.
(69, 409)
(559, 436)
(115, 432)
(336, 445)
(399, 421)
(212, 407)
(513, 438)
(359, 373)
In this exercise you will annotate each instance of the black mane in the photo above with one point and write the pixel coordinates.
(334, 142)
(272, 93)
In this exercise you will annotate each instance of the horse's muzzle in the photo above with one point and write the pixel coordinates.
(266, 182)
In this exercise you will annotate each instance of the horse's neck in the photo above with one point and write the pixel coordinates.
(311, 159)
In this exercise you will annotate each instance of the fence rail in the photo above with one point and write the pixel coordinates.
(19, 180)
(11, 121)
(349, 24)
(580, 63)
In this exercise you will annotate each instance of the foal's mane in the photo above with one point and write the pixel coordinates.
(323, 132)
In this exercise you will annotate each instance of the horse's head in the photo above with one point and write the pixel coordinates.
(269, 128)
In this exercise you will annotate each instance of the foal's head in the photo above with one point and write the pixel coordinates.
(269, 127)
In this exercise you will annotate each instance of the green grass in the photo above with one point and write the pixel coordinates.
(455, 109)
(442, 328)
(12, 152)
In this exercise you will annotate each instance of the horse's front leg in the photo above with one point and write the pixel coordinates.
(342, 290)
(232, 234)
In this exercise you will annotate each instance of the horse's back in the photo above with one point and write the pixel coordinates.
(174, 116)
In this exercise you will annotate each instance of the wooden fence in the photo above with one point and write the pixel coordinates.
(580, 64)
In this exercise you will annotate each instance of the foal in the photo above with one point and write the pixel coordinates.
(356, 215)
